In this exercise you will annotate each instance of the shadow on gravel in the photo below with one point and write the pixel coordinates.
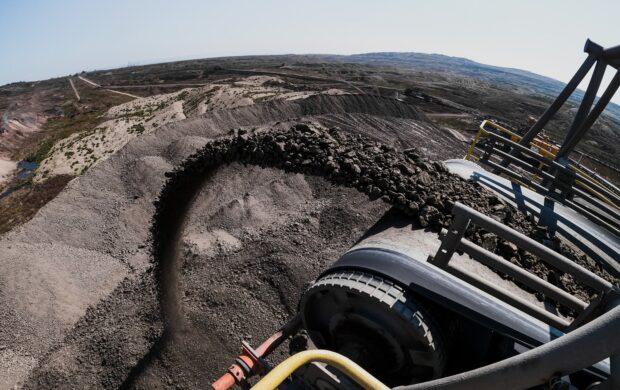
(147, 360)
(171, 224)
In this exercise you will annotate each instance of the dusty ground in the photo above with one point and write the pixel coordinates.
(7, 167)
(21, 121)
(23, 203)
(250, 248)
(24, 117)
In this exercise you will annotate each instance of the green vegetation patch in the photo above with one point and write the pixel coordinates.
(136, 129)
(42, 151)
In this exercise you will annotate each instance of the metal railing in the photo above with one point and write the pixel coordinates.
(545, 152)
(453, 240)
(592, 335)
(538, 171)
(544, 147)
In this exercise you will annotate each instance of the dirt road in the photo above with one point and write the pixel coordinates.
(77, 95)
(159, 85)
(93, 84)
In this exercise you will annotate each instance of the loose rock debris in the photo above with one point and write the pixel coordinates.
(423, 190)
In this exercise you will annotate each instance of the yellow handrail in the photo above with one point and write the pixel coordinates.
(596, 194)
(283, 370)
(543, 148)
(587, 178)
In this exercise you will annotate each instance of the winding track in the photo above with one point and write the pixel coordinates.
(93, 84)
(77, 95)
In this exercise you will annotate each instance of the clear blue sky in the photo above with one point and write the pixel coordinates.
(43, 39)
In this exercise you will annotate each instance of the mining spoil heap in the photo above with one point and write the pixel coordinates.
(146, 271)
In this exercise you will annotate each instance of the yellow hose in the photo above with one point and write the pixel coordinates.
(283, 370)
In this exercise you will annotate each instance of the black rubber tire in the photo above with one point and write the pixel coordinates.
(376, 323)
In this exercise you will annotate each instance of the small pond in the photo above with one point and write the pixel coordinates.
(25, 169)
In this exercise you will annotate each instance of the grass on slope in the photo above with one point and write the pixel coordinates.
(78, 117)
(24, 199)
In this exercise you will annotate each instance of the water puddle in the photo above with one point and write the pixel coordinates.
(25, 171)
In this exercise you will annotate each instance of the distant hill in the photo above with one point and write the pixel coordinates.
(520, 79)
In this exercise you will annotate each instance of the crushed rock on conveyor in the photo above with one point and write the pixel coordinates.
(421, 189)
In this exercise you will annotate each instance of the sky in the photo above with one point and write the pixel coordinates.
(42, 39)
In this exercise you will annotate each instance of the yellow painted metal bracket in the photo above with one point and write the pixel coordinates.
(545, 149)
(351, 369)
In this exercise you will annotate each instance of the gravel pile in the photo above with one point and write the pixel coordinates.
(422, 189)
